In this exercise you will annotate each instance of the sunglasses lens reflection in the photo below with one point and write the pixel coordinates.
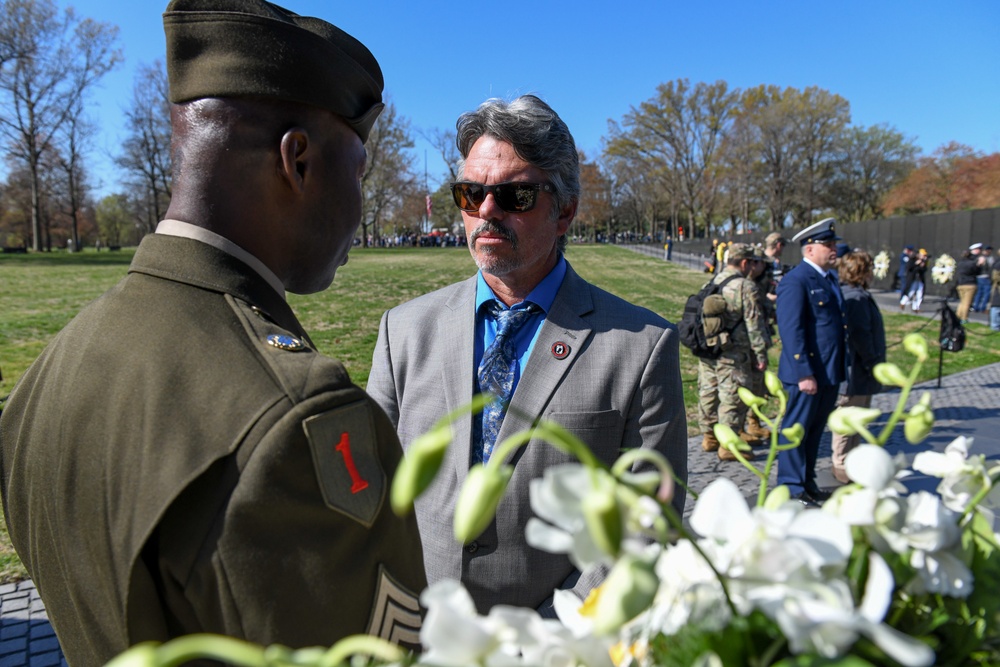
(511, 197)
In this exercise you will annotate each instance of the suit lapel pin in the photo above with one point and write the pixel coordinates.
(283, 342)
(560, 350)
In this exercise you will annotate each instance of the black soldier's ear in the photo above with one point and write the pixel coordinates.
(294, 149)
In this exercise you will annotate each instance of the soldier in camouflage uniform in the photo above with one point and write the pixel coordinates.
(767, 282)
(719, 379)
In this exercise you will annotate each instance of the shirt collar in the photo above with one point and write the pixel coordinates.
(821, 271)
(543, 295)
(188, 231)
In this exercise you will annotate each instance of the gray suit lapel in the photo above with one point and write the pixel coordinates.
(563, 324)
(456, 332)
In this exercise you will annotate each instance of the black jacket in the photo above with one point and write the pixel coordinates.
(966, 271)
(865, 341)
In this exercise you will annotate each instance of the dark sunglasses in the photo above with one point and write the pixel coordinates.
(513, 197)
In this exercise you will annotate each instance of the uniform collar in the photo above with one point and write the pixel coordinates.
(187, 230)
(821, 271)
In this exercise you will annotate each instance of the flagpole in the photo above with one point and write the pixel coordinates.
(427, 194)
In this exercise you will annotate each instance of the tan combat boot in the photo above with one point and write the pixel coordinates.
(709, 443)
(726, 455)
(756, 429)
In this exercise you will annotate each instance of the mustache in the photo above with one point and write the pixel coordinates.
(496, 229)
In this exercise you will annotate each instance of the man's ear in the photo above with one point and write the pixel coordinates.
(294, 148)
(566, 215)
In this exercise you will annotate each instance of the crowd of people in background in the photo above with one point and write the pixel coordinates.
(828, 261)
(973, 280)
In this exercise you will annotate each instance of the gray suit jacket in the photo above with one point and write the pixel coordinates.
(619, 388)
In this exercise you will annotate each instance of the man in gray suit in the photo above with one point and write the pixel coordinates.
(603, 368)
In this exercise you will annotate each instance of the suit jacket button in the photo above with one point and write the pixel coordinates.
(472, 547)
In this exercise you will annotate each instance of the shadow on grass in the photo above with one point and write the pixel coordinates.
(62, 258)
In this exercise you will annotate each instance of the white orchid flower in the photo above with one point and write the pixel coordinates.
(560, 500)
(873, 468)
(767, 543)
(876, 486)
(540, 642)
(452, 634)
(689, 594)
(932, 532)
(560, 527)
(821, 618)
(962, 476)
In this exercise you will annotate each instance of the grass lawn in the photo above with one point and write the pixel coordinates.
(42, 292)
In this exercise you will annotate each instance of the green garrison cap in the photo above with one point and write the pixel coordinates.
(253, 48)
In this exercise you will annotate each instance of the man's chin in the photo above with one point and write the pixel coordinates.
(494, 265)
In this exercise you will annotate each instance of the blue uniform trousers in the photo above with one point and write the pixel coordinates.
(797, 467)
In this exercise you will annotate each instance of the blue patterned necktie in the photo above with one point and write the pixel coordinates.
(496, 375)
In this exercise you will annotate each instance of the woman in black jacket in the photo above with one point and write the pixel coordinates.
(865, 346)
(966, 272)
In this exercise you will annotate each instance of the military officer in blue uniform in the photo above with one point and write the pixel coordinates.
(813, 353)
(181, 458)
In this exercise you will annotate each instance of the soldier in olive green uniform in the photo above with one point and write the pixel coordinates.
(719, 379)
(180, 459)
(767, 279)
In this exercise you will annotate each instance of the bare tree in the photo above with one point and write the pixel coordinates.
(114, 220)
(765, 118)
(594, 208)
(678, 133)
(443, 143)
(146, 151)
(869, 163)
(56, 59)
(818, 118)
(75, 136)
(388, 176)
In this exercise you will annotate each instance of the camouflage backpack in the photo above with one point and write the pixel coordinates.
(700, 328)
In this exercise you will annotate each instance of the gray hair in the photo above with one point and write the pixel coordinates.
(537, 133)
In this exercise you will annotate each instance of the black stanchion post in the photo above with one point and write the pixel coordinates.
(940, 363)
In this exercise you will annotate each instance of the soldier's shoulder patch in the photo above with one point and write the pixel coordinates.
(395, 612)
(346, 460)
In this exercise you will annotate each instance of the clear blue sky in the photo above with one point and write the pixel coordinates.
(931, 69)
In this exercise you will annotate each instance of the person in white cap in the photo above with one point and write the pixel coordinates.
(811, 325)
(966, 273)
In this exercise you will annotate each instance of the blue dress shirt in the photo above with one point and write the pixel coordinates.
(542, 296)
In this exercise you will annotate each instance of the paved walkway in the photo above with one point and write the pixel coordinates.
(965, 404)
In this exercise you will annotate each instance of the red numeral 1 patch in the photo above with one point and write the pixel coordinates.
(344, 447)
(346, 458)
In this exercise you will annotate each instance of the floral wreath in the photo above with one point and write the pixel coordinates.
(882, 265)
(944, 269)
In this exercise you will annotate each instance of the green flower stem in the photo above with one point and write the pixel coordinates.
(552, 433)
(772, 651)
(374, 647)
(772, 456)
(213, 647)
(630, 457)
(772, 453)
(557, 435)
(897, 414)
(507, 446)
(979, 497)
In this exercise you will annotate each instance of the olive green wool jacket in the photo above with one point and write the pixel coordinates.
(168, 470)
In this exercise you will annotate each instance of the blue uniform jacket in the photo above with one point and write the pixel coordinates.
(812, 327)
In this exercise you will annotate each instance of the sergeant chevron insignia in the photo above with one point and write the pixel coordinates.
(395, 612)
